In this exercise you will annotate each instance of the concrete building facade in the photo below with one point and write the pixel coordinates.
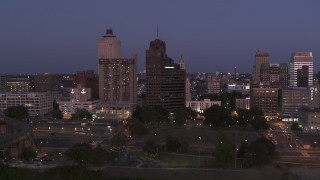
(201, 106)
(301, 69)
(37, 103)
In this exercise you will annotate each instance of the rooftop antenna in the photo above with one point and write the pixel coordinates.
(157, 31)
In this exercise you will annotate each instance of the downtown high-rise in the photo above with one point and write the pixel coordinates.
(117, 75)
(165, 80)
(301, 69)
(260, 58)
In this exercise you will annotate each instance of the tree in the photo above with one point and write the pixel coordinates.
(296, 127)
(56, 114)
(119, 140)
(259, 152)
(224, 154)
(55, 105)
(172, 144)
(17, 112)
(28, 154)
(136, 127)
(216, 116)
(5, 155)
(155, 114)
(81, 153)
(180, 116)
(254, 117)
(151, 147)
(81, 114)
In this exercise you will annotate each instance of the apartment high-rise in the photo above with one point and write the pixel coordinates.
(301, 69)
(117, 76)
(261, 57)
(165, 80)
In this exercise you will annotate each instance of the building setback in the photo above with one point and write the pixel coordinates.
(165, 80)
(301, 69)
(117, 76)
(260, 58)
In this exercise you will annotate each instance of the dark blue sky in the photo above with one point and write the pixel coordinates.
(212, 35)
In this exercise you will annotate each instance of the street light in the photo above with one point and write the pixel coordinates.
(199, 149)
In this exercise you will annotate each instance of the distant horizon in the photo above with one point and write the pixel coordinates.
(212, 35)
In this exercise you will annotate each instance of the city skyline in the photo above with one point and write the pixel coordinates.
(62, 37)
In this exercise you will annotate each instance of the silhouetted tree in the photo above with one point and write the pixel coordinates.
(28, 154)
(17, 112)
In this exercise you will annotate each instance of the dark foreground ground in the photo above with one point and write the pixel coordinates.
(272, 172)
(277, 172)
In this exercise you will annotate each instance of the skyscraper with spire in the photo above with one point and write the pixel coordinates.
(165, 80)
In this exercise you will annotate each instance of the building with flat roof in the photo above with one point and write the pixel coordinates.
(292, 100)
(118, 111)
(310, 118)
(79, 98)
(260, 58)
(301, 69)
(37, 103)
(19, 83)
(267, 99)
(201, 106)
(243, 103)
(274, 74)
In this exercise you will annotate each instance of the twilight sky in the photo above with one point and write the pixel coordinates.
(61, 36)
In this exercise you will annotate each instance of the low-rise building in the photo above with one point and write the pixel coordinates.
(37, 103)
(115, 111)
(310, 118)
(201, 106)
(79, 98)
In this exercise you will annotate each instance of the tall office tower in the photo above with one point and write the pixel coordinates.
(275, 75)
(261, 57)
(301, 65)
(117, 76)
(165, 80)
(183, 66)
(109, 46)
(3, 82)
